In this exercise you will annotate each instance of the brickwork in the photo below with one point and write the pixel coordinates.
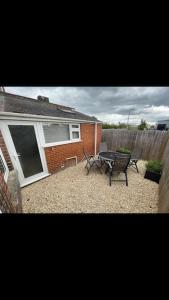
(5, 197)
(5, 152)
(56, 156)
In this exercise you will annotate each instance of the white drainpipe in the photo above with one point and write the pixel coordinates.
(95, 139)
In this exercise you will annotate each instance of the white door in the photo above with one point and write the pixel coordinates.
(26, 151)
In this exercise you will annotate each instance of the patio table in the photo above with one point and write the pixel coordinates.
(108, 156)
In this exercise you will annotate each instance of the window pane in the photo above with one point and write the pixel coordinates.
(56, 133)
(75, 126)
(75, 135)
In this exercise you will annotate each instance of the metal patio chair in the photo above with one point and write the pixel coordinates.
(92, 162)
(135, 156)
(119, 165)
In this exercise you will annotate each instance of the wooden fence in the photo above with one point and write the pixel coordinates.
(155, 145)
(152, 142)
(164, 183)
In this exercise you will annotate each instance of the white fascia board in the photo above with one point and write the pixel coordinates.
(18, 116)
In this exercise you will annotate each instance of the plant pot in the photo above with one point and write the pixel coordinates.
(152, 176)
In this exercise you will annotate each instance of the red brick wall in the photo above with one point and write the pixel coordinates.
(56, 156)
(5, 152)
(87, 136)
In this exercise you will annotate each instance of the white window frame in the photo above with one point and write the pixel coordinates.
(71, 129)
(62, 142)
(6, 167)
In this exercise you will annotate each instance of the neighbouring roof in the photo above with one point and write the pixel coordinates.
(161, 121)
(19, 104)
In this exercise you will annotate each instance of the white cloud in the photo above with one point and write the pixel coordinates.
(157, 109)
(116, 118)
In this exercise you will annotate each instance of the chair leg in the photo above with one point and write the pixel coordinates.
(99, 167)
(136, 167)
(107, 168)
(110, 174)
(100, 170)
(86, 166)
(126, 179)
(88, 169)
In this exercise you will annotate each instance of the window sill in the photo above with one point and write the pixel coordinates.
(61, 143)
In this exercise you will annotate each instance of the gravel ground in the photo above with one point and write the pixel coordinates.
(71, 191)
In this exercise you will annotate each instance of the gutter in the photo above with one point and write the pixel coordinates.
(19, 116)
(95, 139)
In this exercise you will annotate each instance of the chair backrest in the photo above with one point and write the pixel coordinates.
(121, 162)
(136, 153)
(103, 147)
(86, 155)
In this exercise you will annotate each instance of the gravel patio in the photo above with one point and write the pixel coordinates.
(71, 191)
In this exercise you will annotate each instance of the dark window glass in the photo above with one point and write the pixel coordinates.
(25, 143)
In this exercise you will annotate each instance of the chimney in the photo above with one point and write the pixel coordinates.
(43, 99)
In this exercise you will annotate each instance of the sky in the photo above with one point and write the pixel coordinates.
(108, 104)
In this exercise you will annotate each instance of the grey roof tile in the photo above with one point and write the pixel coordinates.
(19, 104)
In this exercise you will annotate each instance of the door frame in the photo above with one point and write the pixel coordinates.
(13, 154)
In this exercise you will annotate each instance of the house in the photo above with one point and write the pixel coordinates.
(37, 138)
(163, 125)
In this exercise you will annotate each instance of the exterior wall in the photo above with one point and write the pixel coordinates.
(57, 155)
(5, 152)
(99, 136)
(87, 136)
(10, 194)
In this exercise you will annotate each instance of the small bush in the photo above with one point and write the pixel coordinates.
(154, 166)
(124, 150)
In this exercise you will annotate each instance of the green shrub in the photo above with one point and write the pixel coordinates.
(154, 166)
(124, 150)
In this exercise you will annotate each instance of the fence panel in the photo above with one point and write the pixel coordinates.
(152, 142)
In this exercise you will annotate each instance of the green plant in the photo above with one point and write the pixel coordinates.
(109, 126)
(143, 125)
(114, 126)
(123, 150)
(154, 166)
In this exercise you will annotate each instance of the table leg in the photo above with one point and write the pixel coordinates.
(107, 168)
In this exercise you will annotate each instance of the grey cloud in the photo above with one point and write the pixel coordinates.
(102, 101)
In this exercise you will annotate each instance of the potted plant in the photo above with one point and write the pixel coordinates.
(123, 150)
(154, 170)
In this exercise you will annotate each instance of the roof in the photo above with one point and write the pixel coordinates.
(24, 105)
(161, 121)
